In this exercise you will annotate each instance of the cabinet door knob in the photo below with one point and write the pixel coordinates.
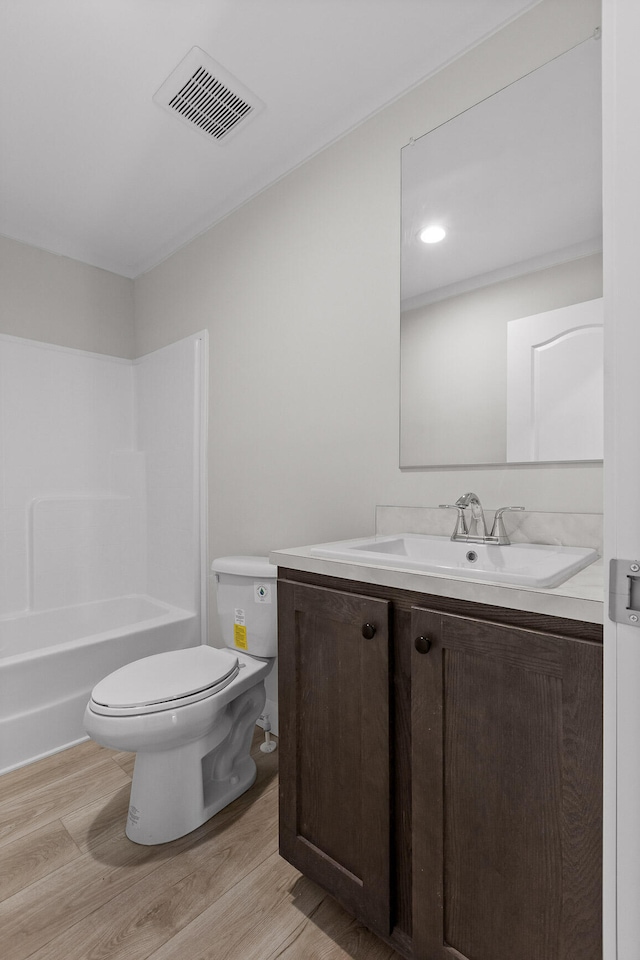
(422, 644)
(368, 631)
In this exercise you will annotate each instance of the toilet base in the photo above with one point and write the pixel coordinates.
(175, 791)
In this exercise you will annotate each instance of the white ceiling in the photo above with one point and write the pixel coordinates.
(93, 169)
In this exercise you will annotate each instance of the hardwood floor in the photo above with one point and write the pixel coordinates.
(73, 887)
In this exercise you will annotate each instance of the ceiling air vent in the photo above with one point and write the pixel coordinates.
(204, 95)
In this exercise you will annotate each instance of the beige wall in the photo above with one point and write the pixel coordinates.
(299, 290)
(58, 300)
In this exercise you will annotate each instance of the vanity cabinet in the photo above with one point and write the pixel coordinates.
(506, 755)
(334, 764)
(441, 768)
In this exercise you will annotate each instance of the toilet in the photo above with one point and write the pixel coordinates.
(189, 715)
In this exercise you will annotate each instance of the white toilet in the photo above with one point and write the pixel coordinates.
(189, 715)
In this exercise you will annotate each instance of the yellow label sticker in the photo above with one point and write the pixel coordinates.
(240, 636)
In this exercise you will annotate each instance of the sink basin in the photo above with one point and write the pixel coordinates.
(525, 564)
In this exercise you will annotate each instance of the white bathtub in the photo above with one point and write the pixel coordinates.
(51, 660)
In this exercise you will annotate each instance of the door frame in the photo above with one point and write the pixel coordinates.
(621, 244)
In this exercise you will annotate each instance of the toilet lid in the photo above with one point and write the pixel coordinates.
(161, 681)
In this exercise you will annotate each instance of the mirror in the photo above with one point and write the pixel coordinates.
(501, 321)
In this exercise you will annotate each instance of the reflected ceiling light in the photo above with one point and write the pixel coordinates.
(433, 234)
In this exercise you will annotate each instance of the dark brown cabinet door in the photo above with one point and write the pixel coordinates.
(506, 796)
(334, 744)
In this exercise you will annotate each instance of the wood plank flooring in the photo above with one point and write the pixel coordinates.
(73, 887)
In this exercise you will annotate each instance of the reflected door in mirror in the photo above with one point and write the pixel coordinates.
(555, 385)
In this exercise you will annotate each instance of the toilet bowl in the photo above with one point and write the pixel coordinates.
(189, 715)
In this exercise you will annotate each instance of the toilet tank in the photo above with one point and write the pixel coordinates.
(246, 598)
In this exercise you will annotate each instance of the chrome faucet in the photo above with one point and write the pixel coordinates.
(476, 530)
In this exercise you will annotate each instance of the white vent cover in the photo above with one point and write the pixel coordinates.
(207, 97)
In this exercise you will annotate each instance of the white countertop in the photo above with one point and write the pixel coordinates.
(579, 598)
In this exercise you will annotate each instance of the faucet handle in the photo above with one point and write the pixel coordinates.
(461, 529)
(498, 529)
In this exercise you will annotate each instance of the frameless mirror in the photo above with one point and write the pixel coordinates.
(501, 321)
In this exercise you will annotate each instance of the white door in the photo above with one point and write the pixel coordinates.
(621, 118)
(554, 384)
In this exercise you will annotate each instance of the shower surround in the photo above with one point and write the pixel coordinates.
(102, 526)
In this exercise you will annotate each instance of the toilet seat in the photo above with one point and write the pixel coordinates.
(164, 681)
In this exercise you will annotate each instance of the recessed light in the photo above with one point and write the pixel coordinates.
(433, 234)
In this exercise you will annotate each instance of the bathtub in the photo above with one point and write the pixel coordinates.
(51, 660)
